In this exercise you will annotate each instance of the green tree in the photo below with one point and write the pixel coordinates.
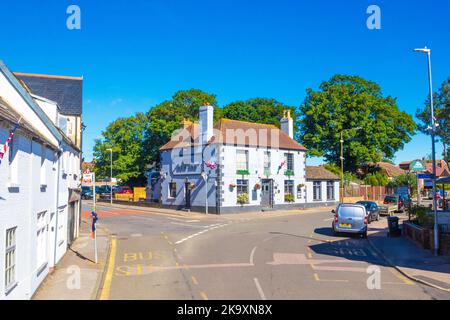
(441, 113)
(259, 110)
(345, 103)
(125, 137)
(407, 179)
(166, 117)
(376, 179)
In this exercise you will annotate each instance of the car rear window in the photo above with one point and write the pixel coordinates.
(351, 211)
(390, 199)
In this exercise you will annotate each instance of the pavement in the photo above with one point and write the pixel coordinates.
(412, 261)
(76, 276)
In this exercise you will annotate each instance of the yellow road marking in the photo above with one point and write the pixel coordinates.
(402, 277)
(204, 296)
(109, 273)
(194, 280)
(316, 277)
(310, 255)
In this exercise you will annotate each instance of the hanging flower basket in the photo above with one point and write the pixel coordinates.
(232, 186)
(300, 186)
(257, 186)
(289, 173)
(243, 172)
(192, 186)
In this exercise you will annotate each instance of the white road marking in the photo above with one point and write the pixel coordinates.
(330, 219)
(211, 227)
(252, 255)
(260, 290)
(136, 235)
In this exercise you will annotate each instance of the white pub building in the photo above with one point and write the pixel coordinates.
(237, 166)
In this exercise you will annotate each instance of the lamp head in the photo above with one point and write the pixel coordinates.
(423, 50)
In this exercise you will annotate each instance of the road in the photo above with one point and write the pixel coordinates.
(291, 255)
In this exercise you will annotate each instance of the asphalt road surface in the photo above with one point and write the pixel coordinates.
(290, 255)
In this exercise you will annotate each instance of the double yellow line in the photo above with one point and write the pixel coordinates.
(110, 271)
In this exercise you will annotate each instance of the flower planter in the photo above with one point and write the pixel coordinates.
(243, 172)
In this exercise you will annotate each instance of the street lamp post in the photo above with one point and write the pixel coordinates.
(111, 173)
(433, 147)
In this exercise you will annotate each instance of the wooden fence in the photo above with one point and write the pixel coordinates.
(371, 193)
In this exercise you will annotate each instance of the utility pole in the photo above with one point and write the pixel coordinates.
(111, 175)
(342, 167)
(433, 147)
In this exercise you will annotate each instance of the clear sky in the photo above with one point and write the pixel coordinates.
(135, 54)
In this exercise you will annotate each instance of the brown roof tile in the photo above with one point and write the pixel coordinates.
(319, 173)
(233, 132)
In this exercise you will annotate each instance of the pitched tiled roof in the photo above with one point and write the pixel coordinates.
(390, 169)
(233, 132)
(319, 173)
(66, 91)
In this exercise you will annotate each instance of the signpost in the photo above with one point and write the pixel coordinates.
(417, 166)
(88, 178)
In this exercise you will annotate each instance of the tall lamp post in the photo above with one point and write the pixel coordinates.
(111, 195)
(342, 161)
(432, 130)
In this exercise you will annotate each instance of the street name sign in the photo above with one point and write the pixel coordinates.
(424, 176)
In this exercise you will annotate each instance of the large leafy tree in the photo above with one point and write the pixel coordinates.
(166, 117)
(441, 114)
(259, 110)
(372, 125)
(125, 137)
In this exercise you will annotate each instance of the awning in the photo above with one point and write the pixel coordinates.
(445, 180)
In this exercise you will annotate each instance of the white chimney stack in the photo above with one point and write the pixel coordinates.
(287, 124)
(206, 115)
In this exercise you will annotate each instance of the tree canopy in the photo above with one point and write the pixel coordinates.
(441, 113)
(259, 110)
(125, 136)
(373, 127)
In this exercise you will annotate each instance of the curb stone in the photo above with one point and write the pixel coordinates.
(406, 274)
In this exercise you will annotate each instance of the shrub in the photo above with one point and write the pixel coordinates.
(242, 199)
(422, 215)
(289, 198)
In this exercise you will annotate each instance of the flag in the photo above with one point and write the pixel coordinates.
(8, 142)
(281, 166)
(211, 165)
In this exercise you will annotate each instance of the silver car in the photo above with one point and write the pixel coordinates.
(350, 218)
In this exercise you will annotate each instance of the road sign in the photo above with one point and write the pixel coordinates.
(424, 176)
(417, 166)
(87, 178)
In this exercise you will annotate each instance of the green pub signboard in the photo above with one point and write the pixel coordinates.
(417, 166)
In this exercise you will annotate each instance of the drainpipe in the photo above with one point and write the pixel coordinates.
(58, 172)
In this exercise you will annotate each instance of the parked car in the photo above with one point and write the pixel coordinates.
(350, 218)
(439, 194)
(372, 210)
(103, 193)
(124, 190)
(86, 193)
(394, 203)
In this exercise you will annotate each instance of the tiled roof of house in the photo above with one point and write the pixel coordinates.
(319, 173)
(233, 132)
(390, 169)
(64, 90)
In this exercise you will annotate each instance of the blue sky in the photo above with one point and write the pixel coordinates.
(135, 54)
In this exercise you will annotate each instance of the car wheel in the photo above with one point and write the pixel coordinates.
(378, 217)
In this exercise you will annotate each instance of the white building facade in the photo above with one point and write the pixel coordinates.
(234, 166)
(39, 182)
